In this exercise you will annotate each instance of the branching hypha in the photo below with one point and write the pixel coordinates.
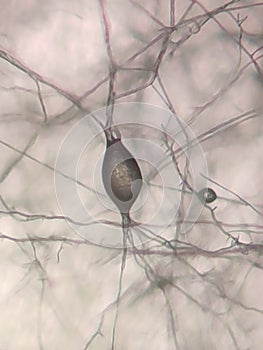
(180, 83)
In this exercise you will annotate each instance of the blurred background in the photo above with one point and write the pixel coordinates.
(61, 61)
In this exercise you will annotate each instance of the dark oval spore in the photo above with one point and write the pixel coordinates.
(121, 174)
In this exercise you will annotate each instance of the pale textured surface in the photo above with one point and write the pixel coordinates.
(54, 285)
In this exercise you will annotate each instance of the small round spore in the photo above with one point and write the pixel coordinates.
(207, 195)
